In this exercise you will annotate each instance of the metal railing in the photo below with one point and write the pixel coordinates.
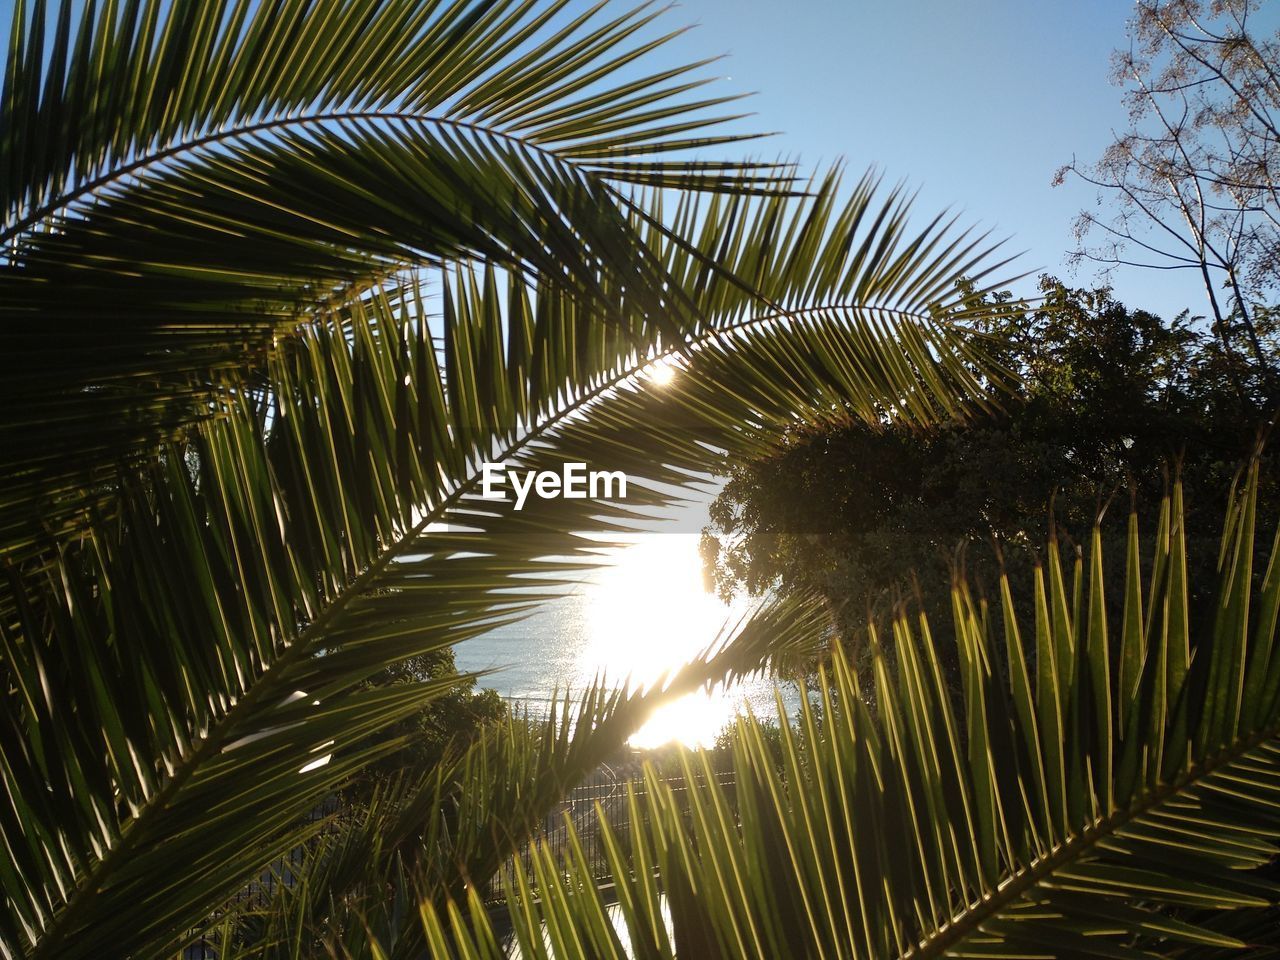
(605, 791)
(258, 892)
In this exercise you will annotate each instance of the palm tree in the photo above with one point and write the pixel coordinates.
(278, 279)
(1105, 783)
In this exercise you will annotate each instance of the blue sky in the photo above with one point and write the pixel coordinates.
(976, 102)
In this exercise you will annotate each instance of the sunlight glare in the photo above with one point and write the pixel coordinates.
(661, 372)
(647, 615)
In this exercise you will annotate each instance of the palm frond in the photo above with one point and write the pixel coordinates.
(185, 185)
(131, 87)
(293, 548)
(445, 832)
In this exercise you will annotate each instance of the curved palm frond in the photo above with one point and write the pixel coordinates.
(294, 547)
(132, 87)
(1107, 787)
(183, 185)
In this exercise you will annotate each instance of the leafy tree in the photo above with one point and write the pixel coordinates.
(1107, 394)
(449, 722)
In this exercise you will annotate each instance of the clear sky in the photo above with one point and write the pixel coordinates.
(977, 102)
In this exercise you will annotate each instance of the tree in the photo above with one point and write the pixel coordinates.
(1194, 178)
(1108, 394)
(279, 278)
(448, 723)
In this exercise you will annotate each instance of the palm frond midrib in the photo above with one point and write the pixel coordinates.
(969, 920)
(221, 734)
(258, 126)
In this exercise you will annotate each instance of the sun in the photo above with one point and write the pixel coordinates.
(661, 372)
(648, 614)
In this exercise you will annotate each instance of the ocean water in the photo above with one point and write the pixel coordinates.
(630, 622)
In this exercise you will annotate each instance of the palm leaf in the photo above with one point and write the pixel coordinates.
(254, 576)
(446, 831)
(183, 185)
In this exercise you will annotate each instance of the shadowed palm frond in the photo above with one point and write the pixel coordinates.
(1102, 782)
(330, 524)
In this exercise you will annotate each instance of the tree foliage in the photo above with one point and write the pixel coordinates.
(279, 278)
(1107, 395)
(1102, 782)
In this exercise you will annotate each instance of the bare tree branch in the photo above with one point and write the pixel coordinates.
(1192, 183)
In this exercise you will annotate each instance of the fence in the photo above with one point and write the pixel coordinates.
(605, 791)
(258, 892)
